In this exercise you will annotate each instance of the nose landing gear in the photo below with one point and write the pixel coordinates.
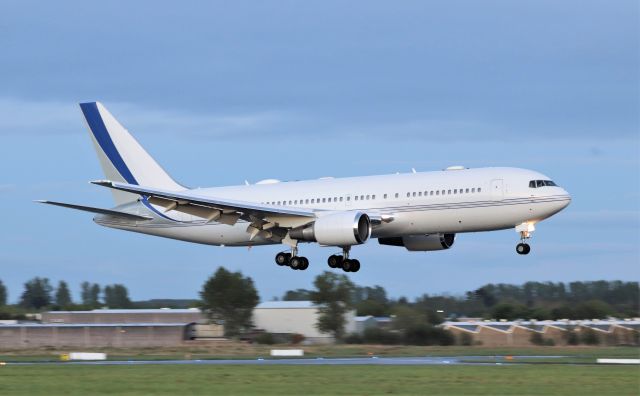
(525, 230)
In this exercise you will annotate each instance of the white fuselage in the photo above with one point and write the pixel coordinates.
(450, 201)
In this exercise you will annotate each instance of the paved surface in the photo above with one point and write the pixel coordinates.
(398, 361)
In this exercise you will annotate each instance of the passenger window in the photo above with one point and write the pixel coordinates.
(467, 191)
(348, 198)
(362, 197)
(473, 190)
(419, 193)
(373, 196)
(414, 193)
(431, 192)
(437, 192)
(368, 197)
(324, 200)
(479, 189)
(356, 197)
(384, 196)
(455, 191)
(449, 192)
(408, 195)
(340, 199)
(313, 200)
(397, 195)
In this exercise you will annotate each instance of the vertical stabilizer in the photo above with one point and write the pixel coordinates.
(122, 158)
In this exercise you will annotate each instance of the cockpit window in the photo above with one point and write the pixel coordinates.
(541, 183)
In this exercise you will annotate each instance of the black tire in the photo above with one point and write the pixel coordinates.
(527, 248)
(356, 265)
(347, 265)
(295, 263)
(335, 261)
(521, 248)
(283, 258)
(305, 263)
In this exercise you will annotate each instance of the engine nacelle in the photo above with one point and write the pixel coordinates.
(338, 229)
(421, 243)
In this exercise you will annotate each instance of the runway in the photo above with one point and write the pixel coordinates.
(382, 361)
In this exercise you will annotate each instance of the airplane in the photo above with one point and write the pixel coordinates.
(420, 211)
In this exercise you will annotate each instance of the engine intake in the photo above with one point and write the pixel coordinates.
(337, 229)
(421, 243)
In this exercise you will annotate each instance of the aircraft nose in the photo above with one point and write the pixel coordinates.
(565, 199)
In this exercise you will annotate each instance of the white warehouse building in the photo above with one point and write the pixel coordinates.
(296, 317)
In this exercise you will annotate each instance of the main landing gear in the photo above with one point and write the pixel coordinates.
(344, 262)
(525, 230)
(292, 260)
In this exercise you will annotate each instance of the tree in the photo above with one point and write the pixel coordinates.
(333, 295)
(229, 298)
(37, 293)
(297, 295)
(117, 296)
(3, 294)
(90, 294)
(63, 296)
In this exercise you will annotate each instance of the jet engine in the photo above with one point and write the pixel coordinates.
(421, 243)
(337, 229)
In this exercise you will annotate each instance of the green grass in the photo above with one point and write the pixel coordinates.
(319, 380)
(246, 351)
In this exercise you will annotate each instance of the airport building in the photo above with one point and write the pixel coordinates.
(158, 327)
(296, 317)
(522, 333)
(111, 316)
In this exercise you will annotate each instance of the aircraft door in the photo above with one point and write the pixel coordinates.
(497, 189)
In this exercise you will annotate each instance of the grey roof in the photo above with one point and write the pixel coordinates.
(603, 327)
(468, 327)
(59, 325)
(130, 311)
(502, 327)
(285, 305)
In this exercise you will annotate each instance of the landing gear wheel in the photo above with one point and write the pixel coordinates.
(335, 261)
(296, 263)
(283, 258)
(523, 248)
(305, 263)
(347, 265)
(355, 265)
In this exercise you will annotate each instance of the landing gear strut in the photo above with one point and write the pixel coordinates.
(292, 260)
(525, 230)
(343, 261)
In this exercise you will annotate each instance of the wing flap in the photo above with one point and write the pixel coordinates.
(189, 200)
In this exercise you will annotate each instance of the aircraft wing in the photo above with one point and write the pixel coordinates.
(222, 210)
(91, 209)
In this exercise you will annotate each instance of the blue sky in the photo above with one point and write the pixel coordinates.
(220, 92)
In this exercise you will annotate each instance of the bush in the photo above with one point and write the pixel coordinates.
(297, 338)
(549, 342)
(465, 339)
(374, 335)
(571, 337)
(589, 337)
(424, 334)
(265, 338)
(536, 338)
(353, 338)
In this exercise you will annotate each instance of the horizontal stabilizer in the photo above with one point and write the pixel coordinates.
(109, 212)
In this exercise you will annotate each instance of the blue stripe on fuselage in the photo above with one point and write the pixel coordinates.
(100, 132)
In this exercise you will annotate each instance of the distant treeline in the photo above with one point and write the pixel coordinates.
(531, 300)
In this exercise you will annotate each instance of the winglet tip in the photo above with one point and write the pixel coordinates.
(105, 183)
